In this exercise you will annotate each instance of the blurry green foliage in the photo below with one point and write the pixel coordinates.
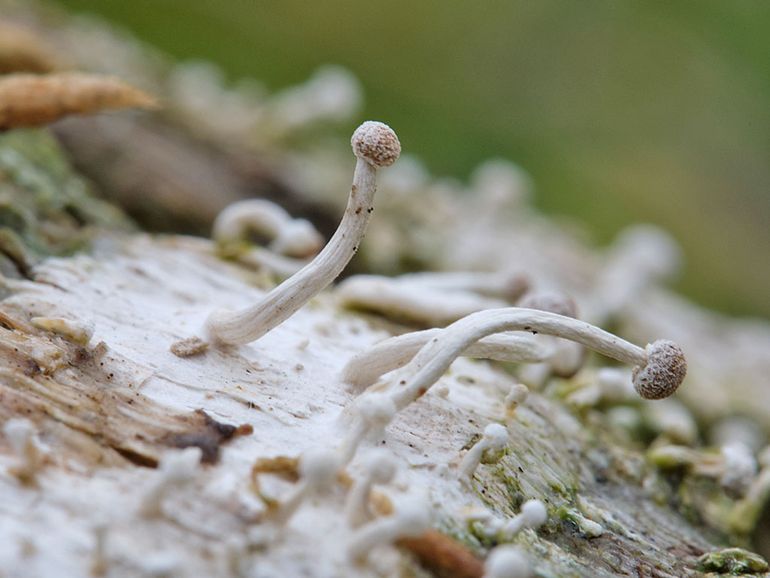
(622, 110)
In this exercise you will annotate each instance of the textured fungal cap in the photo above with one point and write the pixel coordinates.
(376, 143)
(664, 371)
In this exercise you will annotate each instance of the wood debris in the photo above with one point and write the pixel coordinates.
(28, 100)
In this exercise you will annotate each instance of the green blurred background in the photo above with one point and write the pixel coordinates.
(622, 110)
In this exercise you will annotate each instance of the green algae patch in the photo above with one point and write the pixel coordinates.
(732, 561)
(46, 209)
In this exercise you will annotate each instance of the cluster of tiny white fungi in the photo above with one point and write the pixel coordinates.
(398, 371)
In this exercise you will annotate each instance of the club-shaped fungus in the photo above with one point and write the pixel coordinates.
(375, 145)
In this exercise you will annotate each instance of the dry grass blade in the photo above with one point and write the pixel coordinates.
(443, 556)
(28, 100)
(21, 50)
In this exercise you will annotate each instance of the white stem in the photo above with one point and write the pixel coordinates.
(471, 460)
(353, 439)
(284, 300)
(508, 286)
(366, 367)
(409, 302)
(236, 220)
(279, 265)
(292, 503)
(412, 521)
(436, 357)
(356, 505)
(379, 468)
(382, 531)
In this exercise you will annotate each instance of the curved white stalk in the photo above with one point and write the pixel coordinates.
(366, 367)
(532, 514)
(280, 265)
(379, 468)
(660, 368)
(412, 519)
(318, 470)
(288, 236)
(375, 145)
(492, 443)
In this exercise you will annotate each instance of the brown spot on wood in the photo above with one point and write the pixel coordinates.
(207, 434)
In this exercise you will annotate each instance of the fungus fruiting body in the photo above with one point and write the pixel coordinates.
(410, 520)
(532, 514)
(177, 469)
(379, 468)
(366, 367)
(20, 434)
(567, 357)
(411, 302)
(375, 145)
(287, 236)
(503, 285)
(507, 562)
(663, 371)
(641, 256)
(491, 446)
(318, 470)
(516, 395)
(371, 414)
(661, 367)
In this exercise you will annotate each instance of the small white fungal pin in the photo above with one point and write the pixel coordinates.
(507, 562)
(515, 397)
(20, 434)
(371, 414)
(410, 520)
(532, 514)
(318, 468)
(375, 145)
(489, 449)
(176, 469)
(379, 468)
(287, 236)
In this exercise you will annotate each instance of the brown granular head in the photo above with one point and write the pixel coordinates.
(377, 143)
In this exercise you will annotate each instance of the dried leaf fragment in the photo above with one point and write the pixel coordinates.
(28, 100)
